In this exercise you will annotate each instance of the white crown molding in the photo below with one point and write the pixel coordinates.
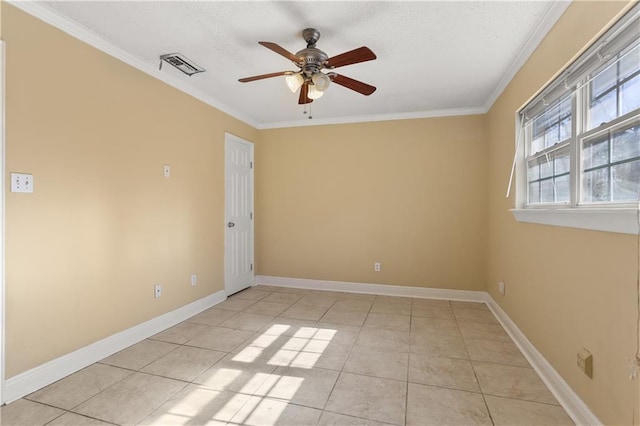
(568, 399)
(40, 11)
(30, 381)
(81, 33)
(72, 28)
(372, 118)
(555, 10)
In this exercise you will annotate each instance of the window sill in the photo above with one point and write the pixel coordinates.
(620, 220)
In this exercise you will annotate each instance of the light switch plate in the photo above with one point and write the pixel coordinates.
(21, 182)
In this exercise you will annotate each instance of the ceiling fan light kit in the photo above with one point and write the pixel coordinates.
(310, 79)
(321, 81)
(314, 93)
(294, 81)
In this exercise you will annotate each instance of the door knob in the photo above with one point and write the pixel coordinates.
(231, 224)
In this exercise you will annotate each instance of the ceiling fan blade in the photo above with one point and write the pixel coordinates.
(352, 84)
(280, 51)
(262, 76)
(361, 54)
(304, 94)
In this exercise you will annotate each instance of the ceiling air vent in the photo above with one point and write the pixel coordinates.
(179, 61)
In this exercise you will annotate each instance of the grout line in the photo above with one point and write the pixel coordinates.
(81, 415)
(475, 374)
(447, 388)
(406, 396)
(355, 340)
(314, 322)
(358, 417)
(524, 400)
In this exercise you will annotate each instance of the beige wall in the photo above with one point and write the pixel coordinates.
(104, 225)
(411, 194)
(566, 288)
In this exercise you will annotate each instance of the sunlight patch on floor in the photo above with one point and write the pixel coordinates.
(225, 376)
(301, 349)
(197, 402)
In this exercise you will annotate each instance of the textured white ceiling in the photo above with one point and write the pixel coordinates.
(434, 58)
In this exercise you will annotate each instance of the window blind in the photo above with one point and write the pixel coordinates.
(606, 51)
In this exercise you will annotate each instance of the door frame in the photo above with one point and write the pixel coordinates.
(228, 137)
(2, 217)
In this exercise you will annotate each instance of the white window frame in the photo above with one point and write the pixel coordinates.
(609, 217)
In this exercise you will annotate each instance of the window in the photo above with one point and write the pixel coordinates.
(611, 165)
(548, 170)
(581, 134)
(615, 90)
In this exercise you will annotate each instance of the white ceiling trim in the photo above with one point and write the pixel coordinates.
(78, 31)
(377, 117)
(83, 34)
(537, 35)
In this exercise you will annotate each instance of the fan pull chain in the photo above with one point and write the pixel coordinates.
(305, 111)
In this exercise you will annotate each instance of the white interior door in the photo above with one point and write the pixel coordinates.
(238, 214)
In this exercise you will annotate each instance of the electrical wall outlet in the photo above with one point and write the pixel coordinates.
(194, 279)
(157, 290)
(166, 170)
(21, 182)
(376, 266)
(585, 362)
(501, 287)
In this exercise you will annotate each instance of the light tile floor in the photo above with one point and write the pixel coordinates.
(279, 356)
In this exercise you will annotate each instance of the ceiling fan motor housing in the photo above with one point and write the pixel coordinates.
(313, 60)
(311, 36)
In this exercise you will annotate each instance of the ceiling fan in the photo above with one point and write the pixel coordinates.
(310, 79)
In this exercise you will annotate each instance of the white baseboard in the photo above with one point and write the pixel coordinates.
(568, 399)
(30, 381)
(378, 289)
(25, 383)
